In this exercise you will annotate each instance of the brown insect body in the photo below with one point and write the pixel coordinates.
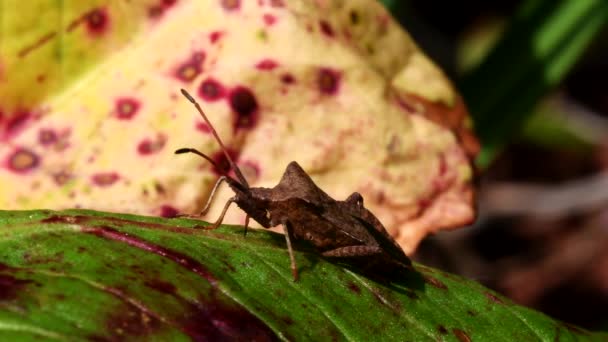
(337, 229)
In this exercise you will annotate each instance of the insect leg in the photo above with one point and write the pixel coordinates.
(208, 204)
(246, 224)
(221, 218)
(294, 268)
(353, 251)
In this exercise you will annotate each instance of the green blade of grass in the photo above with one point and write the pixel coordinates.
(543, 42)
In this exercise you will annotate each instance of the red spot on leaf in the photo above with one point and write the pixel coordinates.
(277, 3)
(168, 211)
(288, 78)
(155, 11)
(126, 108)
(10, 287)
(222, 166)
(211, 90)
(190, 69)
(354, 288)
(328, 81)
(245, 105)
(215, 36)
(97, 21)
(22, 160)
(14, 125)
(161, 286)
(269, 19)
(267, 64)
(231, 5)
(105, 179)
(443, 165)
(150, 146)
(158, 9)
(47, 137)
(203, 127)
(62, 177)
(326, 28)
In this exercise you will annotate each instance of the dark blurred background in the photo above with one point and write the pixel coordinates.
(542, 233)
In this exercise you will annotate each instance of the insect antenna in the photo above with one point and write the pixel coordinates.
(233, 166)
(206, 157)
(198, 153)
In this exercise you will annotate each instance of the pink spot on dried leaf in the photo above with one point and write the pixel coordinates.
(443, 165)
(267, 64)
(168, 211)
(203, 127)
(222, 166)
(326, 28)
(97, 21)
(347, 34)
(245, 105)
(215, 36)
(231, 5)
(22, 160)
(211, 90)
(288, 78)
(269, 19)
(190, 69)
(158, 9)
(150, 146)
(155, 11)
(160, 189)
(126, 108)
(354, 17)
(328, 81)
(14, 125)
(47, 137)
(277, 3)
(62, 177)
(105, 179)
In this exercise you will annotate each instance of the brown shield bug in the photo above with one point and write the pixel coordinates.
(337, 229)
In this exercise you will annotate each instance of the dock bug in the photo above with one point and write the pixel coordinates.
(337, 229)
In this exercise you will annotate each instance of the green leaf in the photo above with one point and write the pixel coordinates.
(543, 42)
(551, 127)
(92, 275)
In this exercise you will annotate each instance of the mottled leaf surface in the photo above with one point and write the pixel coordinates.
(90, 108)
(100, 276)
